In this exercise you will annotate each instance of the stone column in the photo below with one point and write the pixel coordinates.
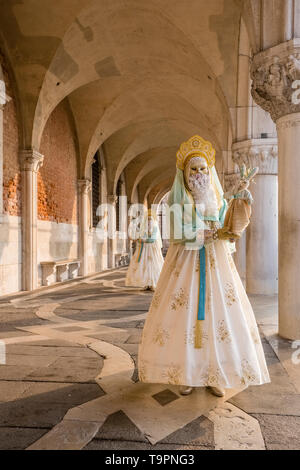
(112, 240)
(84, 187)
(31, 161)
(261, 236)
(275, 73)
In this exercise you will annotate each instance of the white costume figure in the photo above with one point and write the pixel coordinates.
(146, 263)
(200, 329)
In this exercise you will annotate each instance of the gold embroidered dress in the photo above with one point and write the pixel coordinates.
(229, 352)
(147, 261)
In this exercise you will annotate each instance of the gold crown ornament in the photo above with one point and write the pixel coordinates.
(196, 146)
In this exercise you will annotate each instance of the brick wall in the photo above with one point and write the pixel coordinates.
(11, 166)
(57, 178)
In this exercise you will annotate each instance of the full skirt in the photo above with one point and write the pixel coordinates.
(145, 266)
(231, 354)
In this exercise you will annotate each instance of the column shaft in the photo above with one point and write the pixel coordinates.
(84, 187)
(31, 162)
(288, 128)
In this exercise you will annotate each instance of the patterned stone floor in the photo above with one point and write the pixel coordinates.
(70, 379)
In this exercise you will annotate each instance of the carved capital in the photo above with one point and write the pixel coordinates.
(31, 160)
(112, 199)
(84, 186)
(273, 73)
(257, 152)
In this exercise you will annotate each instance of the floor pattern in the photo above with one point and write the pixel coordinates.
(70, 380)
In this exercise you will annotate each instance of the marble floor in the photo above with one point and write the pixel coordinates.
(70, 380)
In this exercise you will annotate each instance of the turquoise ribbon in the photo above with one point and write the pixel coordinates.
(202, 286)
(148, 240)
(142, 246)
(202, 283)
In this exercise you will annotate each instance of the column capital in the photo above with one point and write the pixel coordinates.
(257, 152)
(31, 160)
(84, 185)
(273, 72)
(112, 199)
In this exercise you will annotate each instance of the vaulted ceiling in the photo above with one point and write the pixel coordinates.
(141, 76)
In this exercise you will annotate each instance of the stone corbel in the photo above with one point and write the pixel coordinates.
(273, 73)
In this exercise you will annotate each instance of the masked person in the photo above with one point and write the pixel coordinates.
(147, 261)
(200, 329)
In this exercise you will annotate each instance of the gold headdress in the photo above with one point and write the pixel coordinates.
(196, 146)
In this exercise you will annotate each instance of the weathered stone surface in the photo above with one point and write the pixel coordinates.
(118, 427)
(18, 438)
(280, 432)
(96, 444)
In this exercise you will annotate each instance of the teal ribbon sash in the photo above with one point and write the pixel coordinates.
(202, 285)
(142, 246)
(148, 240)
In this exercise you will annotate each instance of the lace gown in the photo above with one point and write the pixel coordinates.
(145, 265)
(231, 354)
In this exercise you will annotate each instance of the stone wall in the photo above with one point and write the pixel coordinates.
(11, 165)
(57, 179)
(10, 218)
(57, 190)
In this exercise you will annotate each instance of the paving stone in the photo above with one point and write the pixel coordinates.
(134, 339)
(69, 329)
(57, 343)
(60, 374)
(73, 394)
(31, 361)
(58, 351)
(15, 372)
(124, 325)
(12, 438)
(165, 396)
(259, 400)
(31, 413)
(116, 337)
(119, 427)
(14, 333)
(280, 432)
(42, 407)
(199, 432)
(132, 349)
(12, 390)
(96, 444)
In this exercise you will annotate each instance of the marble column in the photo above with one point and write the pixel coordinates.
(261, 236)
(84, 187)
(276, 73)
(112, 240)
(31, 161)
